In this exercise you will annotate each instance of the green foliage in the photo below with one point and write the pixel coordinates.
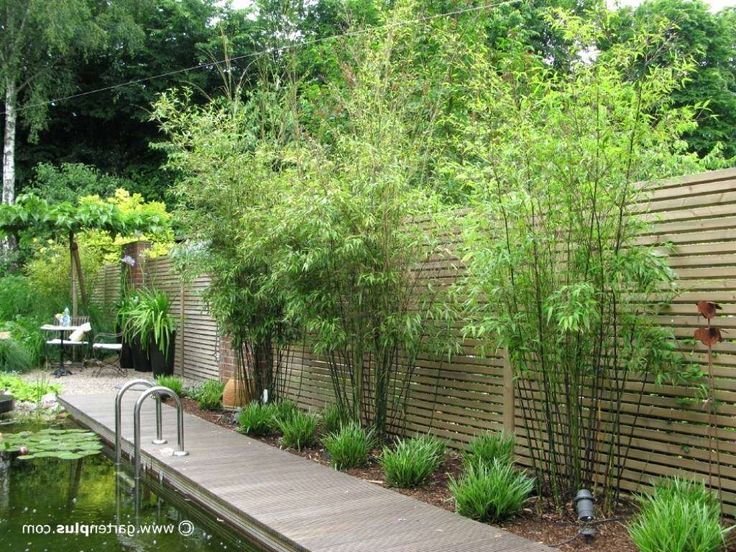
(13, 357)
(227, 187)
(344, 251)
(333, 418)
(556, 275)
(173, 383)
(258, 419)
(26, 333)
(16, 296)
(694, 31)
(489, 447)
(349, 447)
(89, 213)
(209, 395)
(285, 408)
(64, 444)
(298, 429)
(490, 492)
(146, 316)
(412, 461)
(679, 516)
(23, 390)
(69, 182)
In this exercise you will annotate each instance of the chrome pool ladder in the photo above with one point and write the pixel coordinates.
(157, 391)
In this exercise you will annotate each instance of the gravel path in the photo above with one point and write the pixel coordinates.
(83, 381)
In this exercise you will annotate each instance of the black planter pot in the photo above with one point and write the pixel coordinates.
(141, 362)
(6, 403)
(126, 354)
(162, 364)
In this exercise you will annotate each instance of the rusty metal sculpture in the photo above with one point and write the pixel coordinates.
(709, 336)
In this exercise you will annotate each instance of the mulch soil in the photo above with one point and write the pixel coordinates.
(539, 522)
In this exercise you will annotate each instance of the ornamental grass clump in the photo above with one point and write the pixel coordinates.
(488, 447)
(349, 447)
(412, 461)
(333, 418)
(258, 419)
(679, 516)
(173, 383)
(209, 395)
(490, 492)
(298, 429)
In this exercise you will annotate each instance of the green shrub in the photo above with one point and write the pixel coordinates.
(209, 395)
(13, 357)
(298, 429)
(348, 447)
(23, 390)
(173, 383)
(258, 419)
(285, 408)
(490, 492)
(679, 516)
(488, 447)
(26, 331)
(412, 461)
(333, 418)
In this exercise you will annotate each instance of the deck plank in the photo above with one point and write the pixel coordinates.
(287, 502)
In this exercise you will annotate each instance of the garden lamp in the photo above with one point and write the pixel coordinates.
(584, 505)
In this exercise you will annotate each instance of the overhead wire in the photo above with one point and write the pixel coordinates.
(266, 51)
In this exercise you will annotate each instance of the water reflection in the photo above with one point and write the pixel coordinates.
(66, 498)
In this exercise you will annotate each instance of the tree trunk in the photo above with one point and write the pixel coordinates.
(8, 244)
(9, 143)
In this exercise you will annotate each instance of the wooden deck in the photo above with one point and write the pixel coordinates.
(285, 502)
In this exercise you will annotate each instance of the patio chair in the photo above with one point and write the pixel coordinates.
(109, 347)
(75, 341)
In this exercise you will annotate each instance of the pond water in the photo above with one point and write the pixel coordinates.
(85, 505)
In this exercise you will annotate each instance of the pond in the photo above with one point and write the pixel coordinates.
(71, 505)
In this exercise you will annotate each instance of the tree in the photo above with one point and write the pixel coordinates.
(34, 215)
(709, 39)
(556, 275)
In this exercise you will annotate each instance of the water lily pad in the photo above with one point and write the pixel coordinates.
(65, 444)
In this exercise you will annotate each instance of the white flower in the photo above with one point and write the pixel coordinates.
(130, 261)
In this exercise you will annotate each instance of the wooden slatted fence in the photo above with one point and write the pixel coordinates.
(694, 218)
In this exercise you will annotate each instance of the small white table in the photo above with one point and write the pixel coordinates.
(61, 370)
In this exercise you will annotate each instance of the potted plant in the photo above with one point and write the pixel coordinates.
(124, 307)
(150, 323)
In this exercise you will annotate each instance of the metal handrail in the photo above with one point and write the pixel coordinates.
(156, 391)
(159, 440)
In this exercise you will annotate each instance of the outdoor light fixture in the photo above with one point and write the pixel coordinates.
(584, 505)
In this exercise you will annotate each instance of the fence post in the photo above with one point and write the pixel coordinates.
(509, 413)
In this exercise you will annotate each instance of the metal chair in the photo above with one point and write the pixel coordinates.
(75, 342)
(110, 348)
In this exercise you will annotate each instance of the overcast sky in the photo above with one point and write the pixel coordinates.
(714, 4)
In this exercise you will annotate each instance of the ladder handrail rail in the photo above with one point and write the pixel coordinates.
(157, 391)
(118, 414)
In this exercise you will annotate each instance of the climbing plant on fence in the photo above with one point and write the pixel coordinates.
(556, 275)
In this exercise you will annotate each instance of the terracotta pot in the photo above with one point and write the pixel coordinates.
(234, 395)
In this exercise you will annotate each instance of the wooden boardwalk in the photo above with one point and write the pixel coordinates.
(285, 502)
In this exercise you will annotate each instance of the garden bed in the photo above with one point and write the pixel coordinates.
(548, 527)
